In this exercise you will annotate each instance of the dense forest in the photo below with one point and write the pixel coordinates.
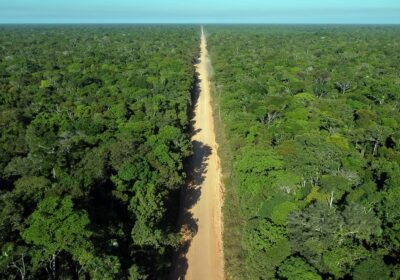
(94, 130)
(311, 115)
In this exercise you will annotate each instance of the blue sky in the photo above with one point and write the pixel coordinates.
(200, 11)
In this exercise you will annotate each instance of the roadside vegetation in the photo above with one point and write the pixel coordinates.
(311, 117)
(94, 130)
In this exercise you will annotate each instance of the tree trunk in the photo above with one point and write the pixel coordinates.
(375, 147)
(331, 200)
(303, 182)
(53, 266)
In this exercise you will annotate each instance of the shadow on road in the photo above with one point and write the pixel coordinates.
(196, 167)
(189, 197)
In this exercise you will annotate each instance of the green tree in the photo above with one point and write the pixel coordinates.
(55, 227)
(372, 268)
(295, 268)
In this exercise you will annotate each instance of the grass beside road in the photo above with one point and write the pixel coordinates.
(232, 219)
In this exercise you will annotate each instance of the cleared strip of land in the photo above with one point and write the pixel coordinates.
(202, 255)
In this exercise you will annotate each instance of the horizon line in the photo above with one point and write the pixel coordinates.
(198, 23)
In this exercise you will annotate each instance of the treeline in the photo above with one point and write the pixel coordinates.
(93, 134)
(312, 115)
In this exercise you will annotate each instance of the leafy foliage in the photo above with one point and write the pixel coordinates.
(94, 130)
(311, 115)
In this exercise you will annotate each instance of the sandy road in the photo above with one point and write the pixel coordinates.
(201, 257)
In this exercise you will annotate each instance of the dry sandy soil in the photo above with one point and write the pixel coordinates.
(201, 256)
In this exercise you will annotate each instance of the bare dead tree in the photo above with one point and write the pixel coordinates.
(344, 86)
(19, 265)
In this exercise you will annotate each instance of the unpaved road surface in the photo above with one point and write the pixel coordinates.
(201, 256)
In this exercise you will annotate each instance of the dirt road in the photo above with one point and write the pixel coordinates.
(202, 256)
